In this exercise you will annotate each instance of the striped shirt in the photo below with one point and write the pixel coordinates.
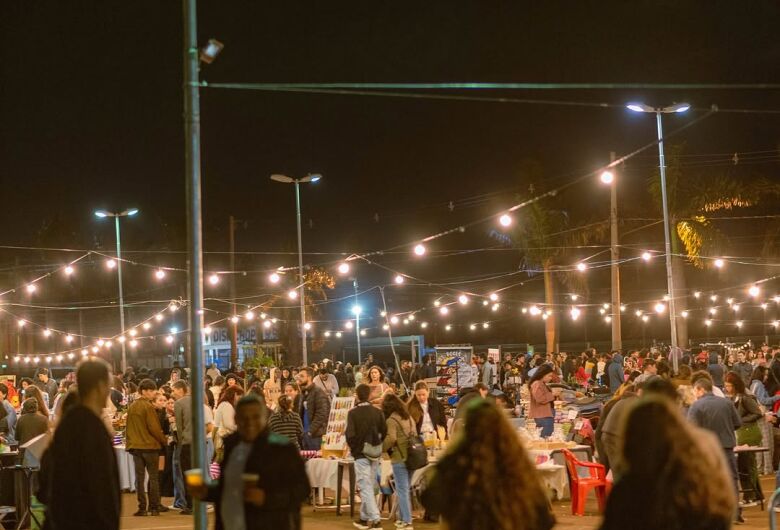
(287, 424)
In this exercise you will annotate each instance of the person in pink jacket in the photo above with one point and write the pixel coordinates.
(541, 408)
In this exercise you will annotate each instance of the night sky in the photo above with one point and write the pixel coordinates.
(90, 103)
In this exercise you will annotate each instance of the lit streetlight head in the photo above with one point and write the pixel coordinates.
(678, 107)
(640, 107)
(607, 177)
(344, 268)
(130, 212)
(356, 310)
(312, 177)
(102, 214)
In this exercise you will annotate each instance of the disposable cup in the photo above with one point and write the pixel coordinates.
(194, 477)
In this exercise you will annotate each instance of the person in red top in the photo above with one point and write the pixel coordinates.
(542, 400)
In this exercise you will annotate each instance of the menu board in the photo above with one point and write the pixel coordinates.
(335, 440)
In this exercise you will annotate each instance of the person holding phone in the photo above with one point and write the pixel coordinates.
(262, 482)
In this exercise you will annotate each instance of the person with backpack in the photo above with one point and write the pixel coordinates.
(400, 429)
(366, 428)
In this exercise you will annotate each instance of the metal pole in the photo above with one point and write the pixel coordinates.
(304, 352)
(121, 294)
(357, 318)
(194, 242)
(617, 341)
(234, 330)
(667, 238)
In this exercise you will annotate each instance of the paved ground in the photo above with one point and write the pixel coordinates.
(327, 519)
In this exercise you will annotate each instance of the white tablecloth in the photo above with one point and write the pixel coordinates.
(126, 468)
(555, 479)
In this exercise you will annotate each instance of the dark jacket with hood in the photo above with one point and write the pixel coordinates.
(716, 370)
(282, 477)
(615, 372)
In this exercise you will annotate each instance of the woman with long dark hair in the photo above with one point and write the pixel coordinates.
(400, 428)
(486, 479)
(541, 407)
(677, 470)
(376, 381)
(428, 414)
(748, 434)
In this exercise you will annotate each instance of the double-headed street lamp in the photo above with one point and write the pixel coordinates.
(127, 213)
(658, 111)
(311, 177)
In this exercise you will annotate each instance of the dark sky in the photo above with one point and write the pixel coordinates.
(90, 103)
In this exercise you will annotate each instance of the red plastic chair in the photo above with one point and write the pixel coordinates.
(580, 486)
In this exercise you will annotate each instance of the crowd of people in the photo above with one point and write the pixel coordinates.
(667, 437)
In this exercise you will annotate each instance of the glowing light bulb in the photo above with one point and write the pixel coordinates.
(666, 297)
(214, 279)
(493, 297)
(109, 344)
(719, 263)
(84, 352)
(444, 310)
(607, 319)
(47, 333)
(68, 338)
(764, 306)
(602, 311)
(505, 220)
(545, 316)
(697, 294)
(776, 323)
(249, 315)
(147, 325)
(406, 321)
(660, 308)
(158, 317)
(101, 342)
(684, 314)
(622, 308)
(307, 326)
(638, 313)
(423, 325)
(69, 270)
(581, 267)
(159, 274)
(169, 339)
(111, 263)
(607, 177)
(234, 319)
(338, 334)
(132, 332)
(121, 339)
(436, 303)
(713, 311)
(485, 325)
(535, 310)
(647, 256)
(605, 306)
(495, 307)
(327, 333)
(714, 297)
(394, 319)
(95, 349)
(207, 330)
(173, 307)
(754, 291)
(133, 343)
(71, 355)
(485, 302)
(575, 313)
(412, 317)
(383, 313)
(472, 327)
(344, 268)
(399, 279)
(385, 327)
(419, 249)
(267, 324)
(349, 325)
(739, 323)
(645, 318)
(735, 307)
(447, 327)
(574, 297)
(21, 323)
(292, 294)
(363, 333)
(274, 278)
(463, 299)
(31, 288)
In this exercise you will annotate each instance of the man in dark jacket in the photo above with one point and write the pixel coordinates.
(84, 473)
(314, 410)
(366, 429)
(47, 385)
(273, 500)
(615, 372)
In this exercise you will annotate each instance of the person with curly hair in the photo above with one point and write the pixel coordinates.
(486, 479)
(677, 470)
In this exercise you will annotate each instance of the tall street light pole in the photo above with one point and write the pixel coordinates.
(608, 177)
(311, 177)
(102, 214)
(658, 111)
(356, 310)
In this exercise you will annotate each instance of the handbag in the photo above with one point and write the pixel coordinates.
(372, 452)
(416, 453)
(749, 434)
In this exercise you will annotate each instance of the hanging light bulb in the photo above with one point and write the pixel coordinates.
(274, 277)
(575, 313)
(21, 322)
(338, 334)
(101, 342)
(581, 267)
(419, 249)
(121, 339)
(132, 332)
(111, 264)
(158, 317)
(71, 355)
(267, 324)
(84, 352)
(574, 297)
(645, 318)
(647, 256)
(739, 323)
(485, 325)
(292, 294)
(169, 339)
(348, 324)
(249, 315)
(173, 307)
(622, 308)
(69, 270)
(754, 291)
(607, 177)
(327, 334)
(399, 279)
(713, 311)
(207, 330)
(493, 297)
(495, 307)
(68, 338)
(31, 288)
(394, 319)
(708, 322)
(463, 299)
(47, 333)
(472, 327)
(363, 333)
(447, 327)
(719, 263)
(684, 314)
(660, 308)
(234, 319)
(213, 279)
(535, 310)
(406, 321)
(412, 317)
(133, 343)
(545, 316)
(159, 274)
(505, 220)
(385, 327)
(444, 310)
(344, 268)
(307, 326)
(146, 325)
(436, 303)
(697, 294)
(423, 325)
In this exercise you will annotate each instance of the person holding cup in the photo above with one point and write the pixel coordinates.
(262, 482)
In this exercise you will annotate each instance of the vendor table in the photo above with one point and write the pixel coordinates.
(555, 479)
(742, 449)
(124, 461)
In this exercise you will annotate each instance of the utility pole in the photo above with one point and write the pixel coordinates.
(357, 310)
(194, 242)
(617, 341)
(234, 328)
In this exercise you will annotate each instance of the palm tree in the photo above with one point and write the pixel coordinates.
(692, 198)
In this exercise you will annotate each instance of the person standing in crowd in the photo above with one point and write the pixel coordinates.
(225, 417)
(400, 428)
(366, 428)
(272, 388)
(341, 376)
(615, 372)
(314, 410)
(31, 423)
(624, 392)
(40, 399)
(10, 410)
(716, 370)
(82, 444)
(145, 438)
(486, 480)
(489, 375)
(757, 387)
(263, 480)
(213, 371)
(327, 382)
(403, 379)
(649, 370)
(285, 422)
(217, 388)
(183, 413)
(676, 469)
(719, 416)
(46, 384)
(743, 368)
(748, 434)
(542, 400)
(428, 414)
(377, 385)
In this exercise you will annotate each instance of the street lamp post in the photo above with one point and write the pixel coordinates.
(289, 180)
(356, 310)
(658, 111)
(127, 213)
